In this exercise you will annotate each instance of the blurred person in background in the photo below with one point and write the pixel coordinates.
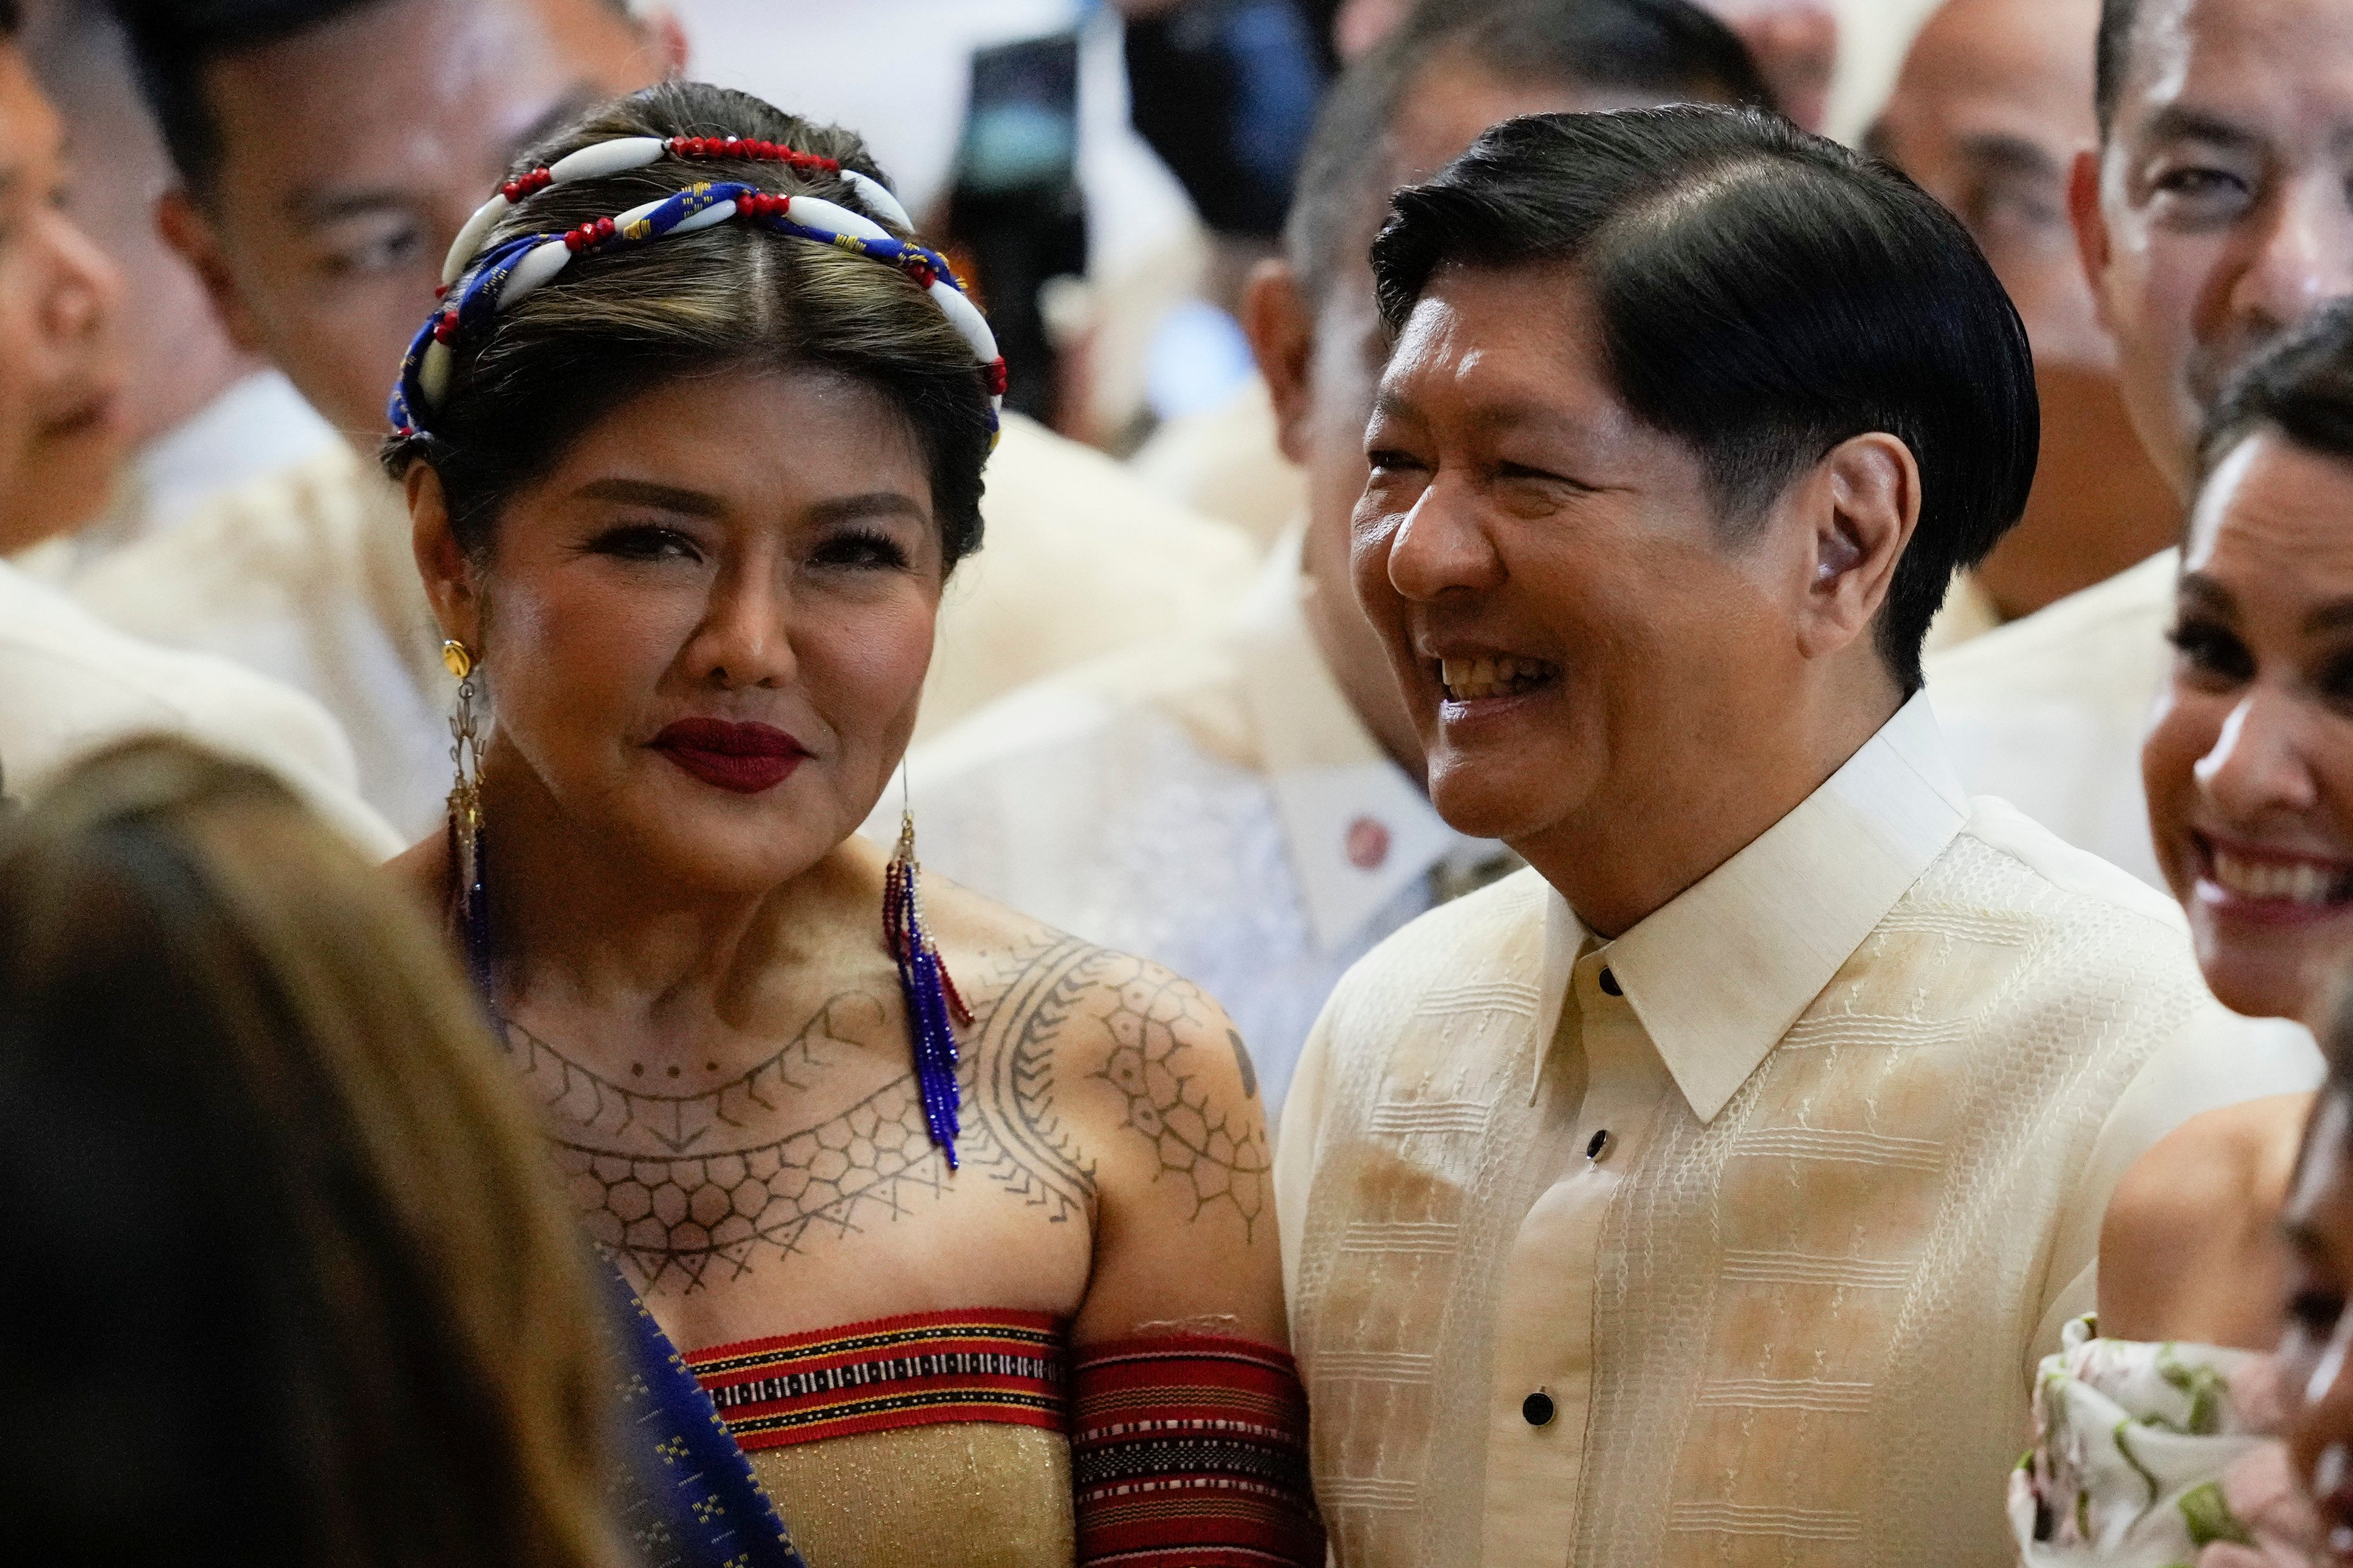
(68, 681)
(1230, 462)
(2215, 215)
(329, 151)
(848, 1130)
(1992, 109)
(200, 413)
(1246, 804)
(295, 1288)
(2249, 773)
(1710, 1190)
(1795, 42)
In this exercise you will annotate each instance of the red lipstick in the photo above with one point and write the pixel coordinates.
(743, 759)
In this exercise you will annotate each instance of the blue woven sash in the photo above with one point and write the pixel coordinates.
(689, 1498)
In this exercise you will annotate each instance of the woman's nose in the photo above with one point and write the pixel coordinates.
(2257, 765)
(747, 636)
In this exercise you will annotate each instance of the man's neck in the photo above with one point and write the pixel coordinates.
(1632, 853)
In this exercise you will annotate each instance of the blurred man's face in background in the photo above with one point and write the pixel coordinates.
(1991, 112)
(61, 426)
(2220, 211)
(1796, 43)
(350, 155)
(1992, 107)
(177, 358)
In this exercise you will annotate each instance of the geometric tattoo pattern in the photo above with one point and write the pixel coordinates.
(684, 1190)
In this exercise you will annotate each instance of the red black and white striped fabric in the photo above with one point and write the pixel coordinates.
(1003, 1367)
(1191, 1450)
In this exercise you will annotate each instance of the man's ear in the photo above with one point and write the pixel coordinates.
(2091, 224)
(1862, 502)
(1279, 319)
(189, 233)
(667, 36)
(441, 561)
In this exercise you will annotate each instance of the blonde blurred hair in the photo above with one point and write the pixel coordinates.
(241, 1087)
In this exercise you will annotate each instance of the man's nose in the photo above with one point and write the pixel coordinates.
(2258, 764)
(1442, 546)
(85, 287)
(2305, 258)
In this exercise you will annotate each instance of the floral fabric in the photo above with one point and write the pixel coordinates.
(2131, 1441)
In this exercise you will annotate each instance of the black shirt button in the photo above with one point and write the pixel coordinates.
(1537, 1409)
(1609, 984)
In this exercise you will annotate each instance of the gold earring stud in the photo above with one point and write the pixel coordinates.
(456, 659)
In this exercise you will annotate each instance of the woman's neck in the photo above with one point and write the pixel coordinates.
(579, 921)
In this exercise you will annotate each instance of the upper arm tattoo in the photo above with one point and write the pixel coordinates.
(689, 1188)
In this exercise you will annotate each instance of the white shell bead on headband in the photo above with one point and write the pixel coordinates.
(601, 158)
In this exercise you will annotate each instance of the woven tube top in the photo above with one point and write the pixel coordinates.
(936, 1440)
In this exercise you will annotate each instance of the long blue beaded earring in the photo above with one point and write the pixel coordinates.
(934, 1008)
(473, 911)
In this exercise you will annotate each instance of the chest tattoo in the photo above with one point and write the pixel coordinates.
(690, 1188)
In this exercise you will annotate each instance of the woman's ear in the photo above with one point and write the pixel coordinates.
(441, 561)
(1863, 503)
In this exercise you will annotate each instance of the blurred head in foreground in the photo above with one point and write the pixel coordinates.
(2312, 1354)
(291, 1286)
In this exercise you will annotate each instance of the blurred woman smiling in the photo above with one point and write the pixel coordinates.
(2249, 771)
(691, 451)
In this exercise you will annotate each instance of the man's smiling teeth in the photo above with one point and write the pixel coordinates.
(2300, 882)
(1475, 680)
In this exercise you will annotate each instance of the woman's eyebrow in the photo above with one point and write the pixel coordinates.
(645, 492)
(873, 503)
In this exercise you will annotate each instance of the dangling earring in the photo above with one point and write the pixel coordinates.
(472, 915)
(934, 1008)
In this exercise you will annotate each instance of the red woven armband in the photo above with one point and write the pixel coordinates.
(1191, 1451)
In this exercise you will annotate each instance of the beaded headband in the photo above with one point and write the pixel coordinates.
(514, 268)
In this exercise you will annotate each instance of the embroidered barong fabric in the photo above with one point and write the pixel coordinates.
(931, 1369)
(2130, 1443)
(1191, 1450)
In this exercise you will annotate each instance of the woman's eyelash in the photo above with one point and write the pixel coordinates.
(862, 547)
(642, 542)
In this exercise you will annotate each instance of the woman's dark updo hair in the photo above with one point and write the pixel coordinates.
(615, 324)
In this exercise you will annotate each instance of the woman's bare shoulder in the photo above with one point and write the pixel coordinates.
(2189, 1248)
(1138, 1068)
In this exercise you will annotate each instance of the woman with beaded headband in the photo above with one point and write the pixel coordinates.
(963, 1225)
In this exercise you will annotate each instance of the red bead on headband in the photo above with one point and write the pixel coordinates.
(757, 151)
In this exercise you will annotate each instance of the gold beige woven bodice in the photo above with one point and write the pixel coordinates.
(1812, 1318)
(969, 1495)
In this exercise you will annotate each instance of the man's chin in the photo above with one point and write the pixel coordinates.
(1486, 803)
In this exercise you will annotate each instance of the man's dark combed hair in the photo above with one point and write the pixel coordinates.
(11, 18)
(1667, 47)
(1761, 295)
(175, 41)
(2115, 57)
(2302, 386)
